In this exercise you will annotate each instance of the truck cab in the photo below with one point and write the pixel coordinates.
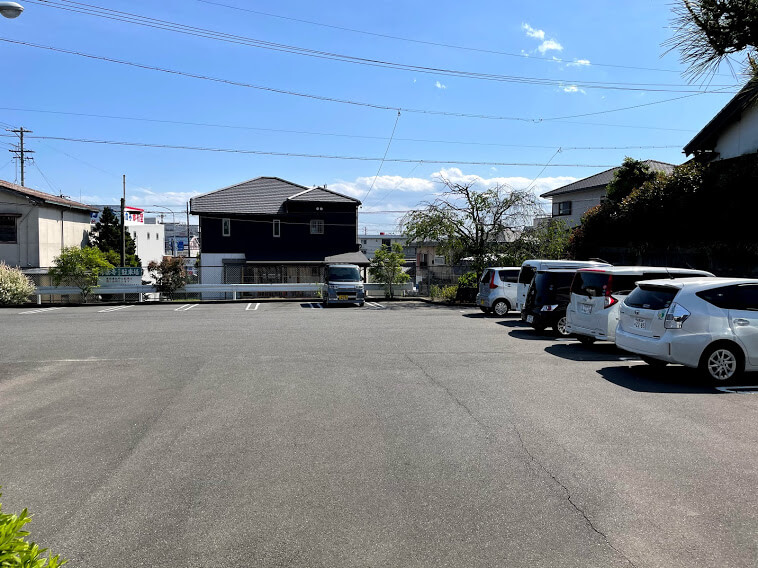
(343, 285)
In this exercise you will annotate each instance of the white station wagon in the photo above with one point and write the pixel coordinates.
(710, 324)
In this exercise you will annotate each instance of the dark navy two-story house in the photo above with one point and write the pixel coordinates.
(269, 230)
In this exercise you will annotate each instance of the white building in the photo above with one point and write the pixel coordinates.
(371, 243)
(149, 239)
(35, 226)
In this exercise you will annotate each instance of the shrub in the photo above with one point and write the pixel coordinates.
(15, 550)
(15, 286)
(80, 267)
(435, 291)
(169, 275)
(448, 293)
(468, 280)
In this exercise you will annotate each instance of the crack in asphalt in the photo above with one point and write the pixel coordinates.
(490, 436)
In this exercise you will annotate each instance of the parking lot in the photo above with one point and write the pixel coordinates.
(270, 433)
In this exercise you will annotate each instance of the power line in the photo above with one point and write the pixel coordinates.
(165, 25)
(389, 143)
(303, 155)
(438, 44)
(307, 95)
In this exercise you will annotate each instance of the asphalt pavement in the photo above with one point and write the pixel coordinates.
(282, 434)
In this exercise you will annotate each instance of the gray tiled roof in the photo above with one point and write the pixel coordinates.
(261, 196)
(45, 197)
(603, 178)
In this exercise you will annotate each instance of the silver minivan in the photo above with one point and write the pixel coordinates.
(597, 293)
(497, 290)
(530, 267)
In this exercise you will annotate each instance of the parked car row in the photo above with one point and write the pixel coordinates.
(664, 315)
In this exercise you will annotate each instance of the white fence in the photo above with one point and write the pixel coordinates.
(213, 290)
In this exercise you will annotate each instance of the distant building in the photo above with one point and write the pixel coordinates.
(572, 201)
(147, 233)
(35, 226)
(371, 243)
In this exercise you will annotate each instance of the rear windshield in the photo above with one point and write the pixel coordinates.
(343, 274)
(526, 274)
(651, 297)
(551, 286)
(596, 284)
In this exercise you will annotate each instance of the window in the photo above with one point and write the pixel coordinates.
(156, 236)
(148, 236)
(509, 276)
(277, 228)
(226, 227)
(742, 297)
(561, 208)
(317, 226)
(7, 228)
(387, 242)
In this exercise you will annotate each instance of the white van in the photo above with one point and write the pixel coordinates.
(530, 267)
(596, 295)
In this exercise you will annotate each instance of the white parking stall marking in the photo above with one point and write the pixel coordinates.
(113, 309)
(739, 390)
(185, 307)
(375, 306)
(253, 308)
(38, 311)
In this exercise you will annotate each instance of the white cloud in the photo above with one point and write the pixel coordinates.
(383, 184)
(579, 63)
(573, 89)
(440, 85)
(531, 32)
(144, 197)
(549, 45)
(540, 185)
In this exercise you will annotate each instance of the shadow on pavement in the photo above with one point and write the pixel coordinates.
(666, 380)
(575, 351)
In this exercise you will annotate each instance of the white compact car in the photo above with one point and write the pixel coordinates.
(497, 290)
(710, 324)
(596, 295)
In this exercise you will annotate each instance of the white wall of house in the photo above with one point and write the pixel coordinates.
(212, 266)
(59, 228)
(19, 253)
(371, 243)
(741, 137)
(150, 240)
(581, 202)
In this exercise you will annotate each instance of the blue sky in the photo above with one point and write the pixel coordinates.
(577, 47)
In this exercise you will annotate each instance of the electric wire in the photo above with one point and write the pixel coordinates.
(389, 143)
(305, 155)
(312, 96)
(137, 19)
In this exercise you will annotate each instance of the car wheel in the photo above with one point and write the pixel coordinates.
(653, 362)
(586, 339)
(560, 327)
(722, 363)
(500, 308)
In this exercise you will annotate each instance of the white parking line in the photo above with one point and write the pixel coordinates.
(185, 307)
(38, 311)
(114, 309)
(375, 305)
(253, 309)
(739, 390)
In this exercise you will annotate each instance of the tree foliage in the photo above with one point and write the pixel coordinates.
(15, 550)
(80, 267)
(709, 31)
(169, 275)
(630, 176)
(387, 267)
(468, 221)
(106, 236)
(15, 286)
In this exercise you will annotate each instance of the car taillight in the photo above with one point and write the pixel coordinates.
(492, 281)
(675, 317)
(609, 300)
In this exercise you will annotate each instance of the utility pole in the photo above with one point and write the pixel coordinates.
(123, 226)
(188, 232)
(20, 152)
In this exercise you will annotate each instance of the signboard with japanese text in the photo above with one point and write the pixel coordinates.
(121, 276)
(134, 216)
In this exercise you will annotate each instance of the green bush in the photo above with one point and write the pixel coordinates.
(449, 293)
(468, 280)
(15, 551)
(169, 275)
(15, 286)
(435, 291)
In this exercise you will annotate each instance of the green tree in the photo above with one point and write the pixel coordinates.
(15, 550)
(549, 240)
(469, 221)
(387, 267)
(632, 175)
(80, 267)
(106, 236)
(709, 31)
(15, 286)
(169, 275)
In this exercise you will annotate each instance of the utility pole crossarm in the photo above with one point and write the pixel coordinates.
(20, 153)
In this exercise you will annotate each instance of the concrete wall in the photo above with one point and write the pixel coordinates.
(59, 228)
(150, 240)
(741, 137)
(23, 252)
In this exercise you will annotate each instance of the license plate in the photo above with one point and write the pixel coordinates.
(481, 302)
(640, 323)
(342, 296)
(585, 308)
(529, 319)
